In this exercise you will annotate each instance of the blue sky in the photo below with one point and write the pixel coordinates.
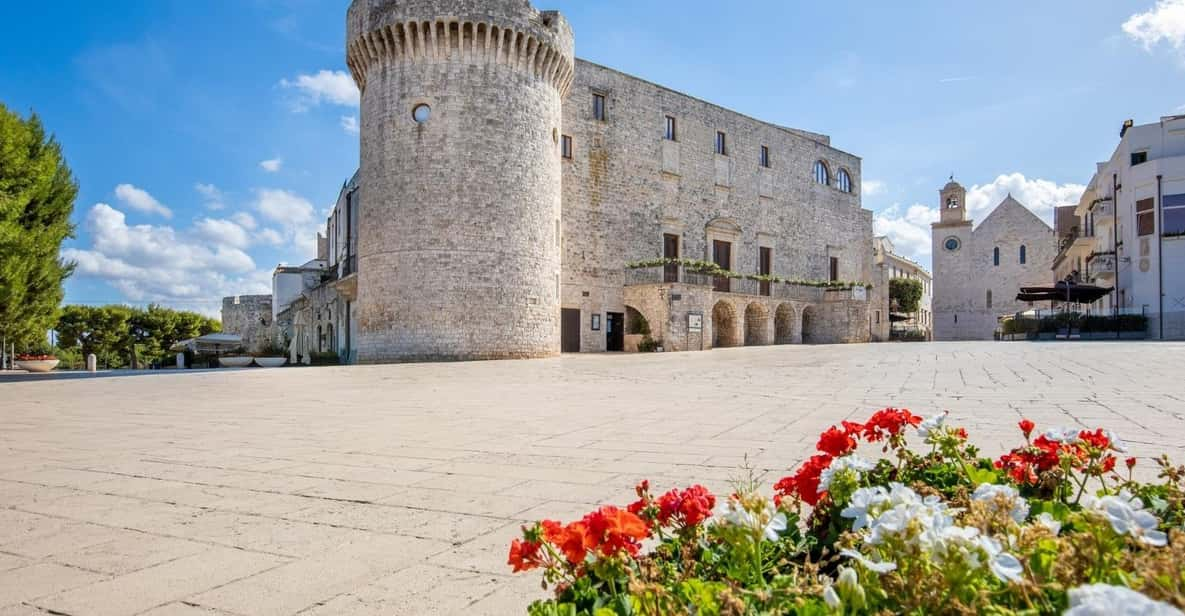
(209, 137)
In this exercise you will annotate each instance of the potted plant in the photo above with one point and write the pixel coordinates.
(271, 355)
(39, 360)
(238, 358)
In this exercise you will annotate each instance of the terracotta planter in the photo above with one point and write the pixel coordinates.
(270, 362)
(38, 365)
(235, 361)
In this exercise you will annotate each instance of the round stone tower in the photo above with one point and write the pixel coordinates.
(459, 221)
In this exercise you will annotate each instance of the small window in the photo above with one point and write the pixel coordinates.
(834, 269)
(822, 175)
(721, 143)
(989, 299)
(763, 158)
(421, 114)
(1173, 207)
(599, 107)
(672, 132)
(843, 181)
(566, 146)
(1139, 158)
(996, 256)
(1024, 256)
(1145, 217)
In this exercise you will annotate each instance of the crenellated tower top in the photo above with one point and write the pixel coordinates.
(510, 33)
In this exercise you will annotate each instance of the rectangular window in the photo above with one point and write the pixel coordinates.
(721, 144)
(599, 107)
(878, 316)
(672, 133)
(566, 147)
(1145, 217)
(1174, 215)
(1139, 158)
(765, 264)
(764, 157)
(670, 250)
(834, 269)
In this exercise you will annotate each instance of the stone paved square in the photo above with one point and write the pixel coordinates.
(396, 489)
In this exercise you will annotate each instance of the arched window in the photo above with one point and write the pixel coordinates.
(1023, 256)
(989, 299)
(822, 175)
(843, 181)
(996, 256)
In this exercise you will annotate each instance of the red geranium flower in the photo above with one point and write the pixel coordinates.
(836, 442)
(524, 555)
(805, 483)
(1130, 462)
(888, 422)
(1026, 426)
(687, 508)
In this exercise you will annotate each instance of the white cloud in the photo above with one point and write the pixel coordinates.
(1040, 196)
(220, 231)
(1163, 23)
(211, 195)
(151, 263)
(871, 188)
(909, 228)
(244, 220)
(271, 165)
(138, 199)
(350, 124)
(333, 87)
(270, 236)
(284, 207)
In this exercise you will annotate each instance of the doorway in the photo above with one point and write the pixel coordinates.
(615, 331)
(670, 250)
(722, 256)
(570, 330)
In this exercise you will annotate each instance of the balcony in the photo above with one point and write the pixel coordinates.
(1101, 266)
(672, 274)
(1104, 211)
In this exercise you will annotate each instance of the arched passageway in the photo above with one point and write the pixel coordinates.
(725, 325)
(784, 321)
(757, 325)
(810, 325)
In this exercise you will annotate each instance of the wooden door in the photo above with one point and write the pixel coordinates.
(670, 250)
(722, 256)
(570, 330)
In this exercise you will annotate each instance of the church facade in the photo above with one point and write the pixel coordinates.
(978, 269)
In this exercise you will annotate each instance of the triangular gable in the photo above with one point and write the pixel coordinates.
(1007, 205)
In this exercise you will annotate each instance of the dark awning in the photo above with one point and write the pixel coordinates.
(1063, 292)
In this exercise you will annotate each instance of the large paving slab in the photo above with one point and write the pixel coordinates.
(396, 489)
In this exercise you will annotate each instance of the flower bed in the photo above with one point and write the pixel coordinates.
(1055, 525)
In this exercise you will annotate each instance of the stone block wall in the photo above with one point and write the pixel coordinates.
(249, 316)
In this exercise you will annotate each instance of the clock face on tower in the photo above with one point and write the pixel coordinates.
(951, 244)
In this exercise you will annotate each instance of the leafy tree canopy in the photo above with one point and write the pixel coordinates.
(905, 294)
(37, 194)
(117, 333)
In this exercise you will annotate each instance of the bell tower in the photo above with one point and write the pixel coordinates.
(953, 202)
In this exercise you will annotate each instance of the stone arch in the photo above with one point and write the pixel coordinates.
(811, 325)
(757, 324)
(784, 322)
(636, 323)
(726, 327)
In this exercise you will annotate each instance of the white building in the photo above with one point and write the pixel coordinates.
(887, 321)
(1132, 226)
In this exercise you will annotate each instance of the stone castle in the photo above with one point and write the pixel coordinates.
(507, 190)
(978, 270)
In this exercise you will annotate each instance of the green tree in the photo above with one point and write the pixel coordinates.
(37, 194)
(117, 334)
(905, 294)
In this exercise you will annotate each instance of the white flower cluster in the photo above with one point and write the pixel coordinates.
(992, 494)
(1107, 600)
(850, 462)
(932, 424)
(770, 523)
(1127, 516)
(926, 524)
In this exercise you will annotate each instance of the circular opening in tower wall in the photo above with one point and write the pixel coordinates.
(952, 244)
(421, 113)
